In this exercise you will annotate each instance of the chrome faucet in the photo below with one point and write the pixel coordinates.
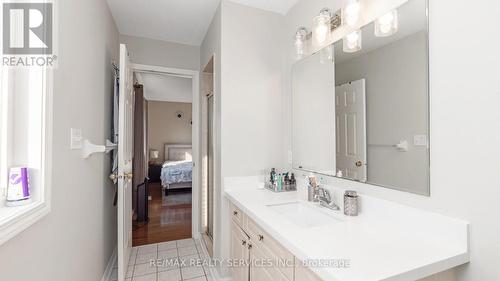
(325, 199)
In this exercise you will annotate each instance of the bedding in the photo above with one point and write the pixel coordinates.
(176, 172)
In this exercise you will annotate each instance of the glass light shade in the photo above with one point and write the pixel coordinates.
(322, 27)
(351, 13)
(352, 42)
(300, 42)
(387, 24)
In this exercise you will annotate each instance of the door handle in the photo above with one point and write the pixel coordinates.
(113, 177)
(128, 176)
(243, 242)
(359, 163)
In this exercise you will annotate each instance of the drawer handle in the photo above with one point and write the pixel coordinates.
(243, 242)
(249, 246)
(235, 213)
(261, 237)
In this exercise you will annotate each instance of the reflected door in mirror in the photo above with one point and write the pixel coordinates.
(350, 109)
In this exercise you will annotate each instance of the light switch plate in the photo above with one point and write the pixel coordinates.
(420, 140)
(76, 138)
(322, 180)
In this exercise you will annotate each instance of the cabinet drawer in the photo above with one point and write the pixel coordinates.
(259, 271)
(303, 273)
(236, 214)
(266, 242)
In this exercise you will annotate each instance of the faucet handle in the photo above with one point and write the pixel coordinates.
(325, 193)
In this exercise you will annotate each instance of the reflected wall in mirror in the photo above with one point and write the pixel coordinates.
(377, 105)
(313, 141)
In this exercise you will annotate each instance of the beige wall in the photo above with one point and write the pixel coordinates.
(164, 126)
(76, 239)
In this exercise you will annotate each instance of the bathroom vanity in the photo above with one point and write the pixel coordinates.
(360, 113)
(387, 241)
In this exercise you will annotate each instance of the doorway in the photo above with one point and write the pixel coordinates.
(169, 193)
(207, 97)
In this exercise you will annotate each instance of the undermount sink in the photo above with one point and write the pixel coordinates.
(303, 214)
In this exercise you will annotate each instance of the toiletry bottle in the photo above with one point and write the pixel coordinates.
(273, 176)
(286, 182)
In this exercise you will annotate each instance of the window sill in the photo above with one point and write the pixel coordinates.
(14, 220)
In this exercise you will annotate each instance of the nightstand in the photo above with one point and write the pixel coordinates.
(154, 172)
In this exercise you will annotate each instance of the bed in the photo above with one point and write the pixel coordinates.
(177, 169)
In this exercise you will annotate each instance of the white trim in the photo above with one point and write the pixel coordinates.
(195, 76)
(214, 273)
(106, 276)
(23, 217)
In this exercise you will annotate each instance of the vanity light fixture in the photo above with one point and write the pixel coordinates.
(322, 27)
(351, 13)
(352, 42)
(387, 24)
(300, 42)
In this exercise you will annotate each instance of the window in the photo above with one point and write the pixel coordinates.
(25, 121)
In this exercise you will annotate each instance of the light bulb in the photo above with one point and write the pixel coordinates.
(300, 42)
(320, 32)
(352, 42)
(351, 13)
(322, 27)
(387, 24)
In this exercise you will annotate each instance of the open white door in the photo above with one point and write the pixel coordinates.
(350, 115)
(125, 150)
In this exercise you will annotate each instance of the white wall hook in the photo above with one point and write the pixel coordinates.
(402, 146)
(110, 146)
(89, 148)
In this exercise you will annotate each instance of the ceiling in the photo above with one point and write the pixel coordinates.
(161, 87)
(179, 21)
(277, 6)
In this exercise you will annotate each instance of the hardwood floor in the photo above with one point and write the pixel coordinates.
(166, 223)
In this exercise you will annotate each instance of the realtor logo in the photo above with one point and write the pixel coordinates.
(28, 34)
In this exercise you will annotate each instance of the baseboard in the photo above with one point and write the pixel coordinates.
(214, 273)
(109, 267)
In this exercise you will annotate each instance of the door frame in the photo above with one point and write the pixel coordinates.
(195, 139)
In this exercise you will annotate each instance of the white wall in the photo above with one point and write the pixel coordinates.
(212, 47)
(464, 61)
(76, 239)
(164, 126)
(251, 90)
(162, 53)
(251, 110)
(247, 101)
(396, 78)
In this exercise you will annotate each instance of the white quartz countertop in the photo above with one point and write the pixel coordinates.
(404, 245)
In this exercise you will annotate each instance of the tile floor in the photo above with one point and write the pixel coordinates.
(177, 261)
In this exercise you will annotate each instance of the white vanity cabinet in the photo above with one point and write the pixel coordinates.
(302, 273)
(251, 245)
(267, 259)
(240, 253)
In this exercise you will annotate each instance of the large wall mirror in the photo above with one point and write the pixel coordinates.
(364, 115)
